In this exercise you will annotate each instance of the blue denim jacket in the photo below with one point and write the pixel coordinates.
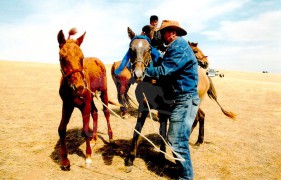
(178, 71)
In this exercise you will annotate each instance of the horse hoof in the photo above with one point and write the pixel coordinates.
(129, 169)
(197, 144)
(112, 141)
(129, 161)
(65, 167)
(125, 116)
(88, 162)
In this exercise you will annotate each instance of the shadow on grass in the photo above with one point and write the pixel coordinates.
(121, 148)
(74, 138)
(154, 162)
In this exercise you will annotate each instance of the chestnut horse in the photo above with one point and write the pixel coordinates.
(81, 79)
(140, 48)
(123, 83)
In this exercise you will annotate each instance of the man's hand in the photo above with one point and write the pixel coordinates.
(148, 70)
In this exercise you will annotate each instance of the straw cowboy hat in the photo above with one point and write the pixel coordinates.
(173, 25)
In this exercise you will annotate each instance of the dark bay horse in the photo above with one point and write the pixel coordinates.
(81, 79)
(140, 48)
(124, 80)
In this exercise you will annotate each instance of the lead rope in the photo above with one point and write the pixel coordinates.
(179, 159)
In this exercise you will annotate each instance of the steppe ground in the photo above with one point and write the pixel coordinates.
(30, 112)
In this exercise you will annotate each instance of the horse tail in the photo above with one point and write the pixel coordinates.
(72, 32)
(213, 95)
(129, 101)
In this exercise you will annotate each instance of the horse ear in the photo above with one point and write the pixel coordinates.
(80, 39)
(192, 44)
(131, 33)
(61, 38)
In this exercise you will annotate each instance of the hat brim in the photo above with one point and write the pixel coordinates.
(180, 31)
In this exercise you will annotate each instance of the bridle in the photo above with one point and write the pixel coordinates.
(71, 72)
(67, 76)
(145, 63)
(145, 60)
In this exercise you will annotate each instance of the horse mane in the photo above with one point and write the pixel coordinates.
(72, 32)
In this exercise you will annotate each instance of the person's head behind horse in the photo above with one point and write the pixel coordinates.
(71, 60)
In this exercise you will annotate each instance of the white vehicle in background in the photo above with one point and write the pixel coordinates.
(211, 72)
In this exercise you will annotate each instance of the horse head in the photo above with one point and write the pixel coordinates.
(71, 60)
(201, 58)
(140, 54)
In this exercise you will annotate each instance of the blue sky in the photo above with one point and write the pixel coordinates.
(243, 35)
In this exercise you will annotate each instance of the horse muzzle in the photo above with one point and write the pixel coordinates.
(79, 91)
(138, 74)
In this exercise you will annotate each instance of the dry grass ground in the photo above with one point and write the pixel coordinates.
(30, 112)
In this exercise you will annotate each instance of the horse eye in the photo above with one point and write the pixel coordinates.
(132, 54)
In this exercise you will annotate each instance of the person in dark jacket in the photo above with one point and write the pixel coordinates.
(178, 74)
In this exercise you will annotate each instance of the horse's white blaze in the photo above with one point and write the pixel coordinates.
(140, 44)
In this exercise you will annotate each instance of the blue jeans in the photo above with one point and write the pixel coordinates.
(183, 113)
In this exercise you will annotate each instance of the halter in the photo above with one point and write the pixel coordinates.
(146, 64)
(71, 72)
(66, 76)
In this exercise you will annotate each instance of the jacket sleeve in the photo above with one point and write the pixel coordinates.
(155, 54)
(173, 61)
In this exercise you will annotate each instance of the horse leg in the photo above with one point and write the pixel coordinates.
(66, 114)
(195, 122)
(201, 119)
(121, 99)
(104, 98)
(86, 129)
(163, 118)
(123, 108)
(140, 122)
(126, 100)
(94, 113)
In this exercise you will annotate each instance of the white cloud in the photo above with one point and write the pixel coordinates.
(33, 38)
(264, 27)
(196, 15)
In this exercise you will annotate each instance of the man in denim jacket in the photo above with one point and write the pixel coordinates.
(178, 74)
